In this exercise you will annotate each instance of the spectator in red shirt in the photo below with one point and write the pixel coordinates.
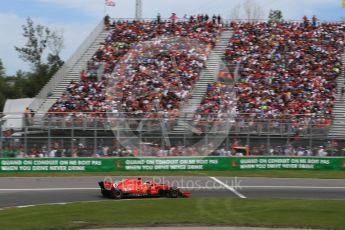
(173, 18)
(83, 75)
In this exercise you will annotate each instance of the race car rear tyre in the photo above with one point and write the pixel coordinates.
(173, 193)
(116, 193)
(163, 193)
(104, 193)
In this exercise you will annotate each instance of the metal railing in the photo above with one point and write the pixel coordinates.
(226, 21)
(88, 134)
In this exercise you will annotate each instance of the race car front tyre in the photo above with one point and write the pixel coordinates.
(116, 193)
(163, 193)
(104, 193)
(173, 193)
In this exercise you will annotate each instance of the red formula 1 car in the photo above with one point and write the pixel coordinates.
(135, 187)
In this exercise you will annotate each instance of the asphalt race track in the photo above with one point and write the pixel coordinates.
(21, 192)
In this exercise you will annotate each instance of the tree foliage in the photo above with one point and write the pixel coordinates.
(39, 39)
(275, 16)
(2, 86)
(42, 50)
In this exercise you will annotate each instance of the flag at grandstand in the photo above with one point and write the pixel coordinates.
(343, 4)
(109, 3)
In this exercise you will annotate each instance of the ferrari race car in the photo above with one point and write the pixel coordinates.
(135, 187)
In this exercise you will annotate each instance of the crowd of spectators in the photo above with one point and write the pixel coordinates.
(105, 150)
(157, 76)
(288, 73)
(286, 68)
(218, 105)
(148, 67)
(82, 96)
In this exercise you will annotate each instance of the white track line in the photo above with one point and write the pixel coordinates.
(292, 187)
(229, 188)
(72, 202)
(33, 205)
(267, 186)
(72, 189)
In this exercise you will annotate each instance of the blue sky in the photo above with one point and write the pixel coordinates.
(77, 18)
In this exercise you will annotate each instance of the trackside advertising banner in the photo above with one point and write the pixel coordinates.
(170, 164)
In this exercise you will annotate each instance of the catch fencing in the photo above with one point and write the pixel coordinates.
(121, 135)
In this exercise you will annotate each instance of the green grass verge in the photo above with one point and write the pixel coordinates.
(267, 173)
(194, 211)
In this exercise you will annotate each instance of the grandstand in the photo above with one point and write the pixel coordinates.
(70, 71)
(199, 82)
(338, 128)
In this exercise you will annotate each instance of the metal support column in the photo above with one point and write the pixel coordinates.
(184, 132)
(72, 140)
(1, 137)
(310, 137)
(138, 9)
(26, 140)
(268, 147)
(95, 142)
(49, 140)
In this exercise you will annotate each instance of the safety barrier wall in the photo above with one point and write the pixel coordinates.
(171, 164)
